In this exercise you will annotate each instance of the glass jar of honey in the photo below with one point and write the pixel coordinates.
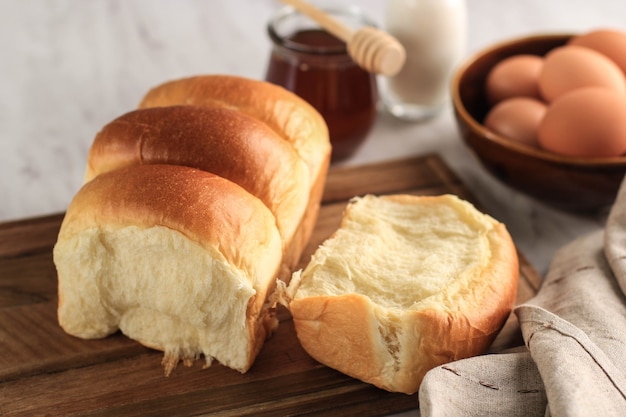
(315, 65)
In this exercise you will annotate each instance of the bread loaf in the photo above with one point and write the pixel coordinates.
(187, 216)
(407, 283)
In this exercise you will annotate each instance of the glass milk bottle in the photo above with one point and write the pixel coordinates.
(433, 33)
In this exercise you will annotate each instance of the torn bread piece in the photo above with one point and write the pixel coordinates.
(405, 284)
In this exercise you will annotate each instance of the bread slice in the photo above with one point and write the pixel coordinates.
(179, 259)
(405, 284)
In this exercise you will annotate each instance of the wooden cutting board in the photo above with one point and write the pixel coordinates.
(44, 371)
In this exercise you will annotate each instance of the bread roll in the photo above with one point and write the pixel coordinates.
(223, 141)
(179, 259)
(407, 283)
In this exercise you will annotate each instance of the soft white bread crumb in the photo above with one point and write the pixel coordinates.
(406, 283)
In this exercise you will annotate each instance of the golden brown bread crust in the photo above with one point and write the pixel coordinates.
(289, 116)
(219, 140)
(223, 141)
(459, 322)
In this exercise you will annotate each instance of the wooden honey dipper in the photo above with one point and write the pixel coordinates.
(372, 49)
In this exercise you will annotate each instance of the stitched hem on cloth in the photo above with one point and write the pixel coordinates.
(547, 321)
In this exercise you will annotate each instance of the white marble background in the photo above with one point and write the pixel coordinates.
(67, 67)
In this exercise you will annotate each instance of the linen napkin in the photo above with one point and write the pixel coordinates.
(574, 330)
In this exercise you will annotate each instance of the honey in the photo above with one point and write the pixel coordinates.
(316, 66)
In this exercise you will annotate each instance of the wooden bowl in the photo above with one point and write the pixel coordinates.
(576, 184)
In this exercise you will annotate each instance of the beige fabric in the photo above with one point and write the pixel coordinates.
(575, 334)
(479, 387)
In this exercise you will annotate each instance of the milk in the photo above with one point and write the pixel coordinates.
(433, 33)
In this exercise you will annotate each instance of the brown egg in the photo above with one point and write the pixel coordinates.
(514, 76)
(569, 67)
(609, 42)
(517, 119)
(587, 122)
